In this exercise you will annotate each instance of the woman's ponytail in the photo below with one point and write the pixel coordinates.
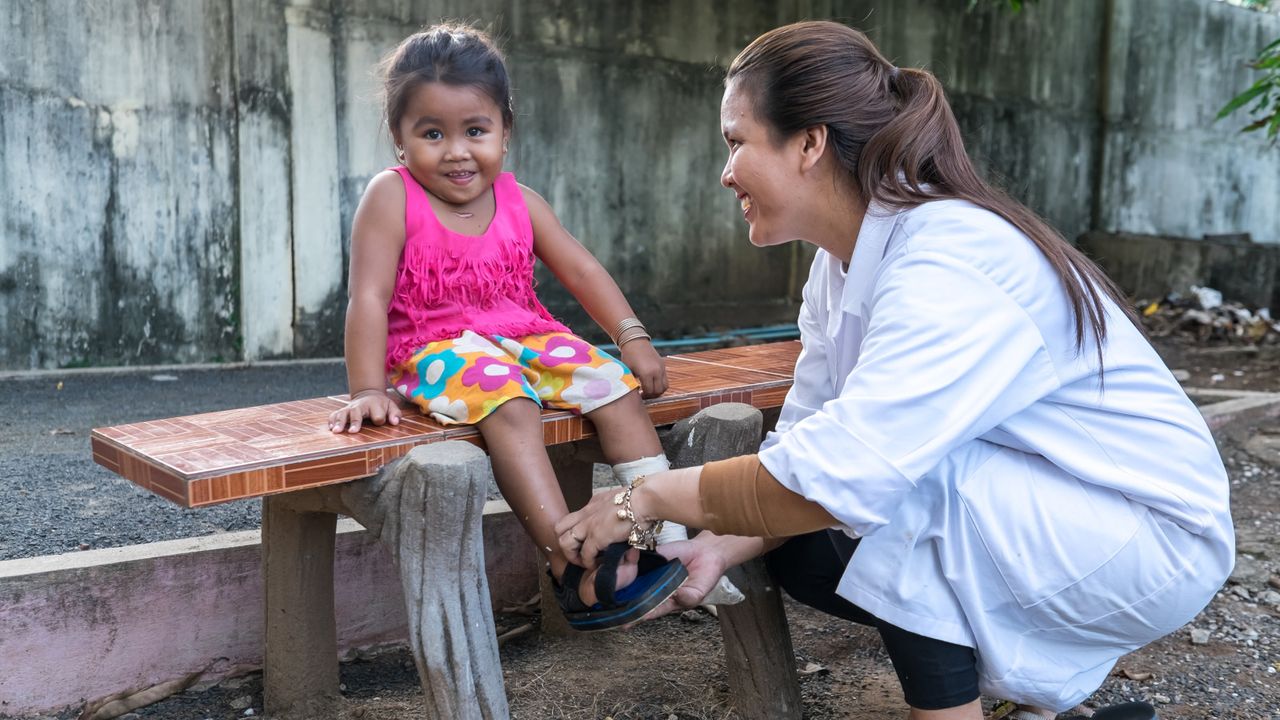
(915, 148)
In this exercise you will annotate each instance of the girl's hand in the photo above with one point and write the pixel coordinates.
(373, 404)
(584, 534)
(647, 366)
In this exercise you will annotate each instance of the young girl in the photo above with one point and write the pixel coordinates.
(442, 303)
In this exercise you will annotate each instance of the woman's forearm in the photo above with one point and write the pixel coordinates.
(731, 497)
(671, 495)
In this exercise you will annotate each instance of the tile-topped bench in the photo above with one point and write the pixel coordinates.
(234, 454)
(305, 474)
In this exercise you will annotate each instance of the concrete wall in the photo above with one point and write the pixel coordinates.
(1169, 168)
(177, 177)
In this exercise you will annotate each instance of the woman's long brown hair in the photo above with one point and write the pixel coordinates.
(892, 129)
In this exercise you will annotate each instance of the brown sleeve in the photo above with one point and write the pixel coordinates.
(740, 497)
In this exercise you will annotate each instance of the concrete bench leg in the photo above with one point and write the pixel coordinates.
(757, 643)
(300, 660)
(428, 508)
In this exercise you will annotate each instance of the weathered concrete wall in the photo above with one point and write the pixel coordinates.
(1150, 266)
(117, 183)
(177, 178)
(1023, 87)
(1169, 169)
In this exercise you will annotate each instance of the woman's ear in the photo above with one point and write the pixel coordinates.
(813, 144)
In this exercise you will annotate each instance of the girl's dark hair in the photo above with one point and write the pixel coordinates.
(894, 133)
(449, 53)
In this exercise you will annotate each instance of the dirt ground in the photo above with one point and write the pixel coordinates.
(673, 668)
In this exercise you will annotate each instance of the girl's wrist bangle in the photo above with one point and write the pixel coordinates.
(625, 325)
(637, 336)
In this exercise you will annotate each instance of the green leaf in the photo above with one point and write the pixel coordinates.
(1243, 98)
(1267, 63)
(1274, 127)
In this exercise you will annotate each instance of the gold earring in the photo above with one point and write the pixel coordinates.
(400, 153)
(504, 147)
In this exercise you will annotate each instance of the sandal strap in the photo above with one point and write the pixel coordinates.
(607, 574)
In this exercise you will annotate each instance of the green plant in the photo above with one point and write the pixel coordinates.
(1264, 94)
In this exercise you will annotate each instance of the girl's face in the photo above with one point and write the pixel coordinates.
(763, 174)
(454, 140)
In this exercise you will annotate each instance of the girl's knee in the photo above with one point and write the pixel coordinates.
(514, 413)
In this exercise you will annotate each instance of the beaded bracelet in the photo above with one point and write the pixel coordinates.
(644, 538)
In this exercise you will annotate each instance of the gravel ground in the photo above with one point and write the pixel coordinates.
(55, 499)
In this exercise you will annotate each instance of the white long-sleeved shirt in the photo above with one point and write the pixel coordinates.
(950, 325)
(1008, 498)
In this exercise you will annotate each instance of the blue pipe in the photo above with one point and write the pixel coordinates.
(768, 332)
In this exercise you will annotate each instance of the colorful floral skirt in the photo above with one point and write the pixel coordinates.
(462, 380)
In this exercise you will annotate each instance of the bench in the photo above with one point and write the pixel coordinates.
(420, 488)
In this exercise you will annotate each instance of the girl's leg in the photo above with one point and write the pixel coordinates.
(631, 446)
(626, 434)
(513, 434)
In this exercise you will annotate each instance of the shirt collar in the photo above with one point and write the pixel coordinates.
(873, 239)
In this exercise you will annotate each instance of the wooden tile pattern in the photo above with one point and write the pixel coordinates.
(249, 452)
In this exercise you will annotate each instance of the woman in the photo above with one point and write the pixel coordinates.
(1033, 493)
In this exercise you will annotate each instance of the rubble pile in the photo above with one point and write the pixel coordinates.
(1203, 317)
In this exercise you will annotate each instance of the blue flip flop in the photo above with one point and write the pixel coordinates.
(658, 579)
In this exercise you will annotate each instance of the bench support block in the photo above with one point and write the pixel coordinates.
(757, 643)
(428, 508)
(300, 663)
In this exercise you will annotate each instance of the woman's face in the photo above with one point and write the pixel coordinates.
(763, 174)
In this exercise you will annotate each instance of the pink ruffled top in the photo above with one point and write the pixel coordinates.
(448, 282)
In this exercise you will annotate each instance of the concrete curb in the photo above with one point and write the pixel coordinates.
(80, 626)
(1238, 410)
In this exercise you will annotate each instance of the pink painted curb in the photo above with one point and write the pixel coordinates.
(81, 626)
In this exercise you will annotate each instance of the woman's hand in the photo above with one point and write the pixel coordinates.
(646, 365)
(585, 533)
(704, 560)
(373, 404)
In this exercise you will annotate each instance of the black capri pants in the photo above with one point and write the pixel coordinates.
(934, 674)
